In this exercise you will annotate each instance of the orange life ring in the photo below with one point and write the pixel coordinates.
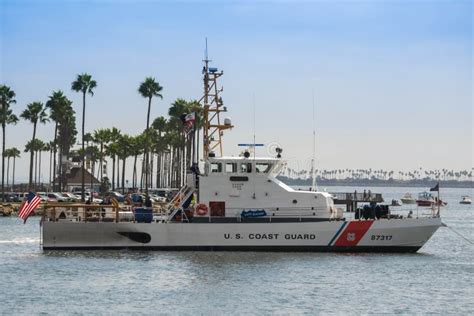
(201, 209)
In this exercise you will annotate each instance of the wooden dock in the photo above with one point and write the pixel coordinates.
(351, 199)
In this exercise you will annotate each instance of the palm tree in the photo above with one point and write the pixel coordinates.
(11, 153)
(84, 84)
(7, 97)
(34, 146)
(8, 155)
(111, 150)
(175, 124)
(15, 153)
(50, 147)
(58, 104)
(101, 137)
(124, 143)
(43, 147)
(35, 112)
(159, 124)
(138, 143)
(148, 89)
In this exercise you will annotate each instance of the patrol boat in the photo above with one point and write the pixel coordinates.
(240, 206)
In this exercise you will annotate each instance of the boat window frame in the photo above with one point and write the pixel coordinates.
(248, 167)
(268, 165)
(234, 167)
(219, 167)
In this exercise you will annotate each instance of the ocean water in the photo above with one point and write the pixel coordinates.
(437, 279)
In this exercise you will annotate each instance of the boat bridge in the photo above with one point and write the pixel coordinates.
(351, 199)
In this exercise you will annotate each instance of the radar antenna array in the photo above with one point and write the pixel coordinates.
(213, 125)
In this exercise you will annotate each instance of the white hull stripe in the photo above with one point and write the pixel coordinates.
(337, 233)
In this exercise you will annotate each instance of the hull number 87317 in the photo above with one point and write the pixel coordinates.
(381, 237)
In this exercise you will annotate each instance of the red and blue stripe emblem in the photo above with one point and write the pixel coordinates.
(350, 233)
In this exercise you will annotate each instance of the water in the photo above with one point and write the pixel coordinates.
(438, 279)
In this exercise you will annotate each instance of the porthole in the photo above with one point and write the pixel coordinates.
(295, 201)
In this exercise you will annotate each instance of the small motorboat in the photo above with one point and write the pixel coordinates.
(408, 199)
(465, 200)
(396, 203)
(426, 199)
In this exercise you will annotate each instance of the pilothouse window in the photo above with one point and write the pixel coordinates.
(263, 167)
(231, 167)
(246, 167)
(216, 167)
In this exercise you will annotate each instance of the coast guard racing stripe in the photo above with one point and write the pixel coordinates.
(337, 234)
(353, 233)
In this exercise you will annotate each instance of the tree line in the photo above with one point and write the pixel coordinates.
(164, 148)
(380, 174)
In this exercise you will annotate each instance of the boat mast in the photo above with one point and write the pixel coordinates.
(213, 127)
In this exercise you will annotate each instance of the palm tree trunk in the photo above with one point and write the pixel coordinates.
(31, 157)
(50, 160)
(8, 171)
(118, 172)
(3, 162)
(143, 170)
(113, 172)
(141, 174)
(39, 169)
(150, 178)
(100, 161)
(54, 154)
(13, 175)
(83, 149)
(35, 156)
(60, 173)
(123, 176)
(92, 175)
(146, 147)
(134, 176)
(158, 158)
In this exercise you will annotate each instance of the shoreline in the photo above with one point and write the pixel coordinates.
(378, 183)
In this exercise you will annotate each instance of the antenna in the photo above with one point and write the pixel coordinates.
(314, 186)
(212, 104)
(253, 103)
(254, 145)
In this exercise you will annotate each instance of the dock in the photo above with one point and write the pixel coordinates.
(351, 199)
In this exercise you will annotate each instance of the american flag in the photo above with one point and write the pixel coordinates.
(189, 122)
(29, 205)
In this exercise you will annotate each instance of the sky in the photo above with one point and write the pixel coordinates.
(390, 81)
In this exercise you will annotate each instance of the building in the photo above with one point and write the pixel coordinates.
(74, 179)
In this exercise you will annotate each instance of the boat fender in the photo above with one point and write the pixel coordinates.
(201, 209)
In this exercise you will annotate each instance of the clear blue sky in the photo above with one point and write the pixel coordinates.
(392, 79)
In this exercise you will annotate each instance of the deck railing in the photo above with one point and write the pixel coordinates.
(358, 197)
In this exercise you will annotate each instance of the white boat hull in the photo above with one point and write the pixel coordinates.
(408, 201)
(384, 235)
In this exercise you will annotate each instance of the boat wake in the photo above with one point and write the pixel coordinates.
(20, 241)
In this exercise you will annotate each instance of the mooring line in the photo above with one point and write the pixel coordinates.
(459, 234)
